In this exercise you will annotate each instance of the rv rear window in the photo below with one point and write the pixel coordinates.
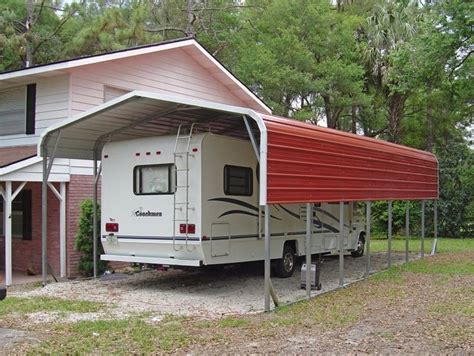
(238, 181)
(154, 179)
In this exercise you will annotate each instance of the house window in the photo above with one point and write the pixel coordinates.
(112, 93)
(154, 179)
(21, 216)
(238, 181)
(17, 110)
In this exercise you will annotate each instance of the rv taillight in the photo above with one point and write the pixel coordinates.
(191, 228)
(111, 227)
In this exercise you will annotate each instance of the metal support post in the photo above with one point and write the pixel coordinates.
(435, 227)
(407, 231)
(47, 167)
(341, 244)
(62, 229)
(389, 247)
(367, 237)
(94, 217)
(422, 229)
(44, 220)
(309, 230)
(267, 258)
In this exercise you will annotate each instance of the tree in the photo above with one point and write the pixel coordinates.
(299, 57)
(30, 32)
(389, 27)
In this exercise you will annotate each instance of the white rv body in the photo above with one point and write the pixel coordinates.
(226, 226)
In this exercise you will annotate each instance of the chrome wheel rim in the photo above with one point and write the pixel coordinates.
(288, 262)
(360, 245)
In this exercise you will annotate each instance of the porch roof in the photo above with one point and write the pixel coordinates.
(31, 170)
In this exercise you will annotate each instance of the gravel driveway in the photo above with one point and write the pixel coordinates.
(205, 293)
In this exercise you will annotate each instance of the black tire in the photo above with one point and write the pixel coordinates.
(286, 265)
(359, 251)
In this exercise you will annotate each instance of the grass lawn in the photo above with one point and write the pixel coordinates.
(425, 306)
(379, 244)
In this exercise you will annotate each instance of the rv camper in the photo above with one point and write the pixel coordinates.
(192, 200)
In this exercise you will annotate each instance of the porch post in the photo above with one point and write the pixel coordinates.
(267, 258)
(309, 230)
(8, 233)
(389, 247)
(341, 244)
(62, 229)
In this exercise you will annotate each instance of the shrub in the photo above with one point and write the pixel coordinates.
(84, 239)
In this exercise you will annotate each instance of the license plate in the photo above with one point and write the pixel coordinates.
(111, 239)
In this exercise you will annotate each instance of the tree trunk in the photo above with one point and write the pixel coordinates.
(190, 17)
(331, 122)
(429, 121)
(354, 119)
(28, 34)
(396, 104)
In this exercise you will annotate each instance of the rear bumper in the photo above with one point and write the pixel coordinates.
(152, 260)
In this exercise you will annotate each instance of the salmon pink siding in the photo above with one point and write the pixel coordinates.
(173, 73)
(52, 106)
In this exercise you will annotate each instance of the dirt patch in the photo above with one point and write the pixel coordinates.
(424, 314)
(203, 293)
(10, 339)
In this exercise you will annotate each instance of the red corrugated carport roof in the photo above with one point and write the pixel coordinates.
(307, 163)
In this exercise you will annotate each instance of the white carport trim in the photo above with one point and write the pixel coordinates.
(89, 153)
(61, 141)
(159, 47)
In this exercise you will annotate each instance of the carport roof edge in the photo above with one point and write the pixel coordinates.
(179, 103)
(298, 162)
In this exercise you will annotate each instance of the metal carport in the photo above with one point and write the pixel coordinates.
(298, 162)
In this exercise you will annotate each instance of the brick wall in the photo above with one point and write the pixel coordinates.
(27, 253)
(80, 188)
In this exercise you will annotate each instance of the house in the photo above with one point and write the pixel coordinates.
(33, 99)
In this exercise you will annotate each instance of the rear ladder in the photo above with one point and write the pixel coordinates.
(182, 205)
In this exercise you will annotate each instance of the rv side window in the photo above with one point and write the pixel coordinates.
(238, 180)
(154, 179)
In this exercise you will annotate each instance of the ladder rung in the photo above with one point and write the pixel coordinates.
(183, 137)
(182, 186)
(180, 220)
(182, 153)
(180, 203)
(182, 169)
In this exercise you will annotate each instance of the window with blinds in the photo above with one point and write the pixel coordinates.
(17, 110)
(112, 93)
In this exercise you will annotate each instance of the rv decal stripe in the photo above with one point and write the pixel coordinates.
(230, 212)
(236, 202)
(316, 221)
(327, 213)
(177, 238)
(289, 212)
(320, 224)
